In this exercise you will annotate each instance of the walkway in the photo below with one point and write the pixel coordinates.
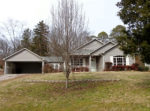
(9, 76)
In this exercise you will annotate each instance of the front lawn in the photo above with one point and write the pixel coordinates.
(132, 93)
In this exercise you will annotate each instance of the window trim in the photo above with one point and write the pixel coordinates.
(119, 60)
(76, 62)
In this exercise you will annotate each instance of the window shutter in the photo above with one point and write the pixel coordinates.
(127, 60)
(111, 59)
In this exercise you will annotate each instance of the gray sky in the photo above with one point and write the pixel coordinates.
(102, 14)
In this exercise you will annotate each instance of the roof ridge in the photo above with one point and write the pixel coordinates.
(103, 46)
(111, 48)
(89, 42)
(21, 51)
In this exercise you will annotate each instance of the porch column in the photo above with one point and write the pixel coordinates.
(90, 63)
(5, 68)
(42, 66)
(103, 63)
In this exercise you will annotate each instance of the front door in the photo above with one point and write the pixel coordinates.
(93, 65)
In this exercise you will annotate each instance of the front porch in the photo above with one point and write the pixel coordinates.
(87, 63)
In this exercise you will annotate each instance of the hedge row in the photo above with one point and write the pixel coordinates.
(109, 67)
(80, 69)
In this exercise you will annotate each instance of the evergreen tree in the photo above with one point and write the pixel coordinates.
(40, 40)
(135, 14)
(117, 32)
(26, 39)
(103, 36)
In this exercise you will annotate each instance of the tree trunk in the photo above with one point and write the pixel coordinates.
(66, 83)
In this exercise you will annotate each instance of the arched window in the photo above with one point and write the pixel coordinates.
(119, 60)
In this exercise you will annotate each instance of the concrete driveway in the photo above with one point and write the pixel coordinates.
(9, 76)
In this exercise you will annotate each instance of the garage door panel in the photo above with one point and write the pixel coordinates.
(28, 68)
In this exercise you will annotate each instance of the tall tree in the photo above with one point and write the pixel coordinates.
(103, 36)
(5, 48)
(68, 27)
(117, 32)
(135, 14)
(26, 39)
(40, 39)
(12, 32)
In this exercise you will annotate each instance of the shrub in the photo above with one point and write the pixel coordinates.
(143, 68)
(135, 66)
(121, 67)
(48, 68)
(128, 68)
(60, 69)
(146, 68)
(108, 66)
(80, 69)
(86, 69)
(118, 68)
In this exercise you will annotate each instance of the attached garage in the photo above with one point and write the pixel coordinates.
(23, 62)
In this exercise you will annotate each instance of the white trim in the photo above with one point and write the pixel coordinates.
(111, 59)
(127, 60)
(147, 65)
(103, 63)
(116, 60)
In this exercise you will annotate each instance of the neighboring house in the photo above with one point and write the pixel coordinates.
(25, 61)
(148, 65)
(93, 55)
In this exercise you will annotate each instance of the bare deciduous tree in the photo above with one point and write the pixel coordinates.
(12, 31)
(68, 31)
(5, 49)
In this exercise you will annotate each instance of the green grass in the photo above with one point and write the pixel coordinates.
(132, 93)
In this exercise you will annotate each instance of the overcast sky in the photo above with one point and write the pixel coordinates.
(102, 14)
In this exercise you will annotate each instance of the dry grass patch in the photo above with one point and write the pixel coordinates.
(129, 94)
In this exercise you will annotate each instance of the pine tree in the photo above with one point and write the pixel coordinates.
(103, 36)
(135, 14)
(117, 32)
(26, 39)
(40, 40)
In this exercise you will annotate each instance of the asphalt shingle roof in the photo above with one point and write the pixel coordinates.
(52, 59)
(82, 52)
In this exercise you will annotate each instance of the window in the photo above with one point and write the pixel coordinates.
(76, 62)
(119, 60)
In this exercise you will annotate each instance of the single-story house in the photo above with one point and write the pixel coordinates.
(93, 55)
